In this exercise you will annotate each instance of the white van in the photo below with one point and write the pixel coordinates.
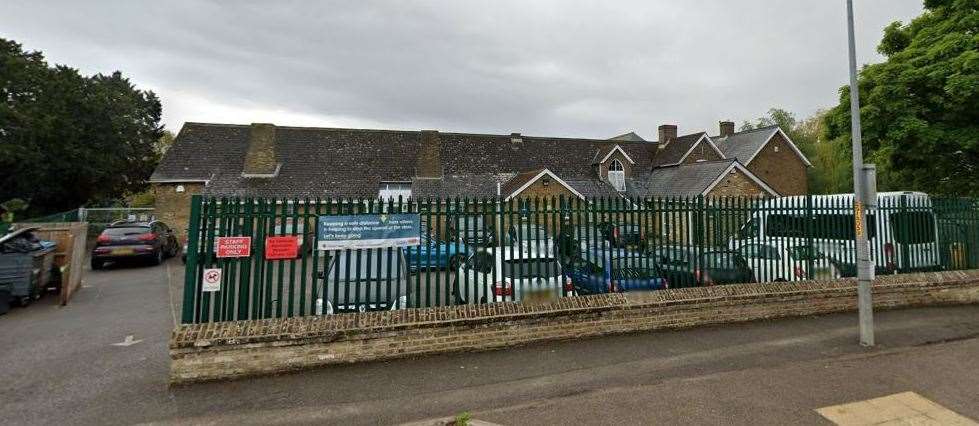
(902, 230)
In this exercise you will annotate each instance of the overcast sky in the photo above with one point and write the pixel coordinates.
(555, 68)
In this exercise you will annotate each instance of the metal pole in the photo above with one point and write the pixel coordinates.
(864, 266)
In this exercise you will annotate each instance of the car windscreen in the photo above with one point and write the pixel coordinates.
(377, 264)
(530, 268)
(530, 232)
(634, 268)
(126, 231)
(913, 227)
(722, 260)
(805, 253)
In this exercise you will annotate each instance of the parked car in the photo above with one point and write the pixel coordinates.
(366, 280)
(529, 238)
(153, 241)
(434, 254)
(472, 230)
(614, 271)
(777, 262)
(715, 266)
(501, 275)
(622, 234)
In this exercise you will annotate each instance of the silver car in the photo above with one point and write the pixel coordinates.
(366, 280)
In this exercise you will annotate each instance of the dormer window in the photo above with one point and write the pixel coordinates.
(616, 175)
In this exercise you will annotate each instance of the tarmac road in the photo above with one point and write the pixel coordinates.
(59, 365)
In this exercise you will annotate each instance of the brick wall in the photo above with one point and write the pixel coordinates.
(552, 189)
(779, 166)
(172, 207)
(702, 151)
(248, 348)
(736, 184)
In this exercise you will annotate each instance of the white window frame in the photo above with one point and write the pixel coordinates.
(616, 175)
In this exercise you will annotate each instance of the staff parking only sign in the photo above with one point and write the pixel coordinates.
(368, 231)
(233, 246)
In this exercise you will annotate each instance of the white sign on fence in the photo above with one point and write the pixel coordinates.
(212, 280)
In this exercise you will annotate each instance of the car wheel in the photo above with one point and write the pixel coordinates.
(97, 264)
(482, 300)
(780, 280)
(158, 258)
(24, 301)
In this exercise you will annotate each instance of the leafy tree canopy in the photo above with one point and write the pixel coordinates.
(66, 139)
(920, 108)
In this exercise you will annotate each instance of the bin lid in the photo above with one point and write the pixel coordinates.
(20, 231)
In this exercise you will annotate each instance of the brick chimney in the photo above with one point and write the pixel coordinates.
(727, 128)
(429, 162)
(667, 133)
(261, 159)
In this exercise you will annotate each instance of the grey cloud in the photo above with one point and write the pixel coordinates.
(550, 67)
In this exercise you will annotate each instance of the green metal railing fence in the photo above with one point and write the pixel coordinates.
(492, 250)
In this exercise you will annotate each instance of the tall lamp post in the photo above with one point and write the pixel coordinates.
(864, 197)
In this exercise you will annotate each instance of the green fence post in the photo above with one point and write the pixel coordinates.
(190, 270)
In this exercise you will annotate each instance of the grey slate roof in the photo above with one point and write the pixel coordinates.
(681, 180)
(331, 162)
(631, 136)
(674, 150)
(744, 144)
(479, 185)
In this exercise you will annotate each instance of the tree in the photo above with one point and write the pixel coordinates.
(920, 107)
(67, 140)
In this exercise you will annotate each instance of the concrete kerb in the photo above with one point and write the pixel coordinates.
(246, 348)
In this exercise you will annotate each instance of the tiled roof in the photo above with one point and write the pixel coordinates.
(330, 162)
(631, 136)
(674, 150)
(478, 186)
(351, 163)
(745, 144)
(680, 180)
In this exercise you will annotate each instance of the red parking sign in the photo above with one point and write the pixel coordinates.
(233, 246)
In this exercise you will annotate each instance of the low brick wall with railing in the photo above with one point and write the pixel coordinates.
(216, 351)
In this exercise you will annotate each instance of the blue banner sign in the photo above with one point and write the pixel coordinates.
(368, 231)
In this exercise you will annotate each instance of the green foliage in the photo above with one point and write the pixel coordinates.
(920, 108)
(462, 419)
(11, 207)
(67, 140)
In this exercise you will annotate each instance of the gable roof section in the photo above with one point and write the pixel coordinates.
(687, 180)
(631, 136)
(678, 149)
(746, 145)
(744, 170)
(605, 152)
(522, 181)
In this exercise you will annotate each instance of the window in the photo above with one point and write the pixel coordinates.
(822, 226)
(616, 175)
(394, 190)
(914, 227)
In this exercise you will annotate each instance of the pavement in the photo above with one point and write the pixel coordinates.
(78, 365)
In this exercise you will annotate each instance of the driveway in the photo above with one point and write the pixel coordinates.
(60, 365)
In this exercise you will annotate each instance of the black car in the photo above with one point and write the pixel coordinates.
(622, 234)
(151, 241)
(714, 267)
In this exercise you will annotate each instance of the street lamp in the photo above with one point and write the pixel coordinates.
(864, 198)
